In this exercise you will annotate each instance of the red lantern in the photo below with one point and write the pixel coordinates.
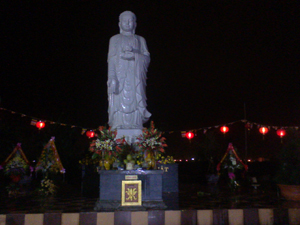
(190, 135)
(40, 124)
(90, 133)
(263, 130)
(281, 133)
(224, 129)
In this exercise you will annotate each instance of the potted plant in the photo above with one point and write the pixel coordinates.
(288, 173)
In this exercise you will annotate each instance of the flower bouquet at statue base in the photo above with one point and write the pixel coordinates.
(106, 148)
(120, 155)
(149, 143)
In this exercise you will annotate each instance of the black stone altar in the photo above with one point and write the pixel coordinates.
(111, 189)
(170, 177)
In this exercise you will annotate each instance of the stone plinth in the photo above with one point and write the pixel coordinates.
(170, 177)
(129, 134)
(111, 189)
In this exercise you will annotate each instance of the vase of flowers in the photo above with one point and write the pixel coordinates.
(106, 146)
(151, 142)
(107, 162)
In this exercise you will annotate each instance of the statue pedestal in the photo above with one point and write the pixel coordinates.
(111, 189)
(129, 134)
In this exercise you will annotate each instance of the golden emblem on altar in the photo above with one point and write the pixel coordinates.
(131, 192)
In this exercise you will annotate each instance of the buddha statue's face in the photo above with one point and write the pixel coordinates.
(127, 23)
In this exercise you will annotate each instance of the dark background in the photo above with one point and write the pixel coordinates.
(209, 59)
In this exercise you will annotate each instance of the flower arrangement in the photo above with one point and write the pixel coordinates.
(47, 187)
(151, 140)
(230, 164)
(106, 147)
(48, 161)
(149, 143)
(106, 143)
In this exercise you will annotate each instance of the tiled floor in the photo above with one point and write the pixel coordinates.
(70, 200)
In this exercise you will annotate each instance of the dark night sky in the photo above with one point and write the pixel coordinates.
(208, 58)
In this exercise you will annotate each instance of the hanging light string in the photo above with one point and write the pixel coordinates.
(247, 123)
(35, 120)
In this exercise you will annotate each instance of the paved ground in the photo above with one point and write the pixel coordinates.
(190, 196)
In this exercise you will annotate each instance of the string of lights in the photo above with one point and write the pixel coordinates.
(224, 128)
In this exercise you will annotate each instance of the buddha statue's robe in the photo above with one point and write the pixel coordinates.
(127, 102)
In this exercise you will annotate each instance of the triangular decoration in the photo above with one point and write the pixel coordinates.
(230, 150)
(49, 159)
(16, 150)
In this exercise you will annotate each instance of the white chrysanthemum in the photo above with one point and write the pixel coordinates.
(98, 143)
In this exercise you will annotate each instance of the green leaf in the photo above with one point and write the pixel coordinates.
(95, 156)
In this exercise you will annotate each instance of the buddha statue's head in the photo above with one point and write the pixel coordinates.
(127, 22)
